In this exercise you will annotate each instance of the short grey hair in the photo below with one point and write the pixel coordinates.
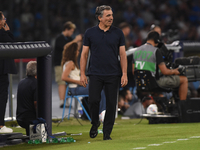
(31, 68)
(100, 9)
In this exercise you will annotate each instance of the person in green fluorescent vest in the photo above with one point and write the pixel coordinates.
(148, 57)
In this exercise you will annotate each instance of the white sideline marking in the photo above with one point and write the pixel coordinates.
(195, 137)
(170, 142)
(182, 139)
(140, 148)
(154, 144)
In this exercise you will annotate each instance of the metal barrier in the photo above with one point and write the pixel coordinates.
(42, 51)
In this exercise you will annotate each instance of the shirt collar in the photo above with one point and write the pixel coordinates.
(109, 30)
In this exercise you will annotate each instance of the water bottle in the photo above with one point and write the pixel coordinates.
(54, 140)
(31, 142)
(80, 112)
(38, 141)
(70, 139)
(100, 131)
(48, 141)
(59, 140)
(62, 140)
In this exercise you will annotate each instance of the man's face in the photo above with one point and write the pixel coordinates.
(121, 103)
(2, 21)
(158, 29)
(149, 102)
(126, 31)
(107, 18)
(70, 32)
(129, 95)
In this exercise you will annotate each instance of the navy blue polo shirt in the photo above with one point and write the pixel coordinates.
(104, 50)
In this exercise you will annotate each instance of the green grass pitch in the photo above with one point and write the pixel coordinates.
(126, 135)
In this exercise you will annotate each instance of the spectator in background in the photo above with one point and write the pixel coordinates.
(123, 102)
(126, 28)
(128, 97)
(126, 100)
(121, 107)
(139, 108)
(159, 12)
(27, 97)
(71, 71)
(153, 27)
(156, 28)
(61, 40)
(7, 66)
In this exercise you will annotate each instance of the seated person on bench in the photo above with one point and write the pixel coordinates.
(71, 72)
(148, 57)
(26, 97)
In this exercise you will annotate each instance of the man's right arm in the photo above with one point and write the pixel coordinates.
(83, 62)
(77, 39)
(165, 71)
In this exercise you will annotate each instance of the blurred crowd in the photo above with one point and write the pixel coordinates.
(32, 20)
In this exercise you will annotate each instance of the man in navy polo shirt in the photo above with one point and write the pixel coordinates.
(108, 63)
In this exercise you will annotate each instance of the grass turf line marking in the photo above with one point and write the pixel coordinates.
(167, 142)
(155, 144)
(195, 137)
(182, 139)
(170, 142)
(140, 148)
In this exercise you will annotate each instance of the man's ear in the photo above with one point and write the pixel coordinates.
(99, 18)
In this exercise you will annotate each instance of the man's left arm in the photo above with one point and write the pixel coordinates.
(123, 62)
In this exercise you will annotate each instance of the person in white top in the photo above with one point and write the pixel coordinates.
(71, 71)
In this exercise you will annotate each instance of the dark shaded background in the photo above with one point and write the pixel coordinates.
(34, 20)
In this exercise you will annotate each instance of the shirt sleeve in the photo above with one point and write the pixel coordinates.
(122, 39)
(159, 57)
(86, 40)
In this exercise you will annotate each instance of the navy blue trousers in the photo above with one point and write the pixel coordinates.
(111, 89)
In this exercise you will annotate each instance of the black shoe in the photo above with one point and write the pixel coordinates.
(94, 130)
(61, 106)
(66, 106)
(106, 137)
